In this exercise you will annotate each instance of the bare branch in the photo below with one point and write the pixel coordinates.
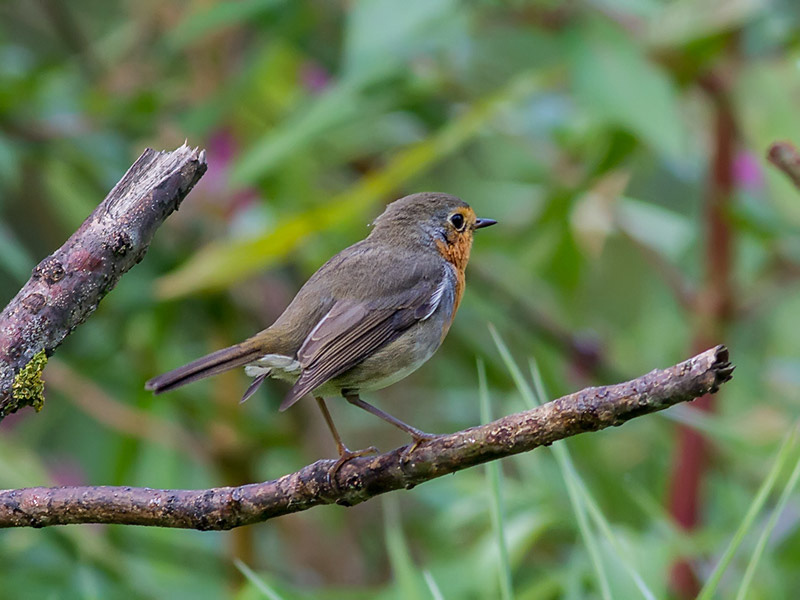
(66, 287)
(786, 157)
(363, 478)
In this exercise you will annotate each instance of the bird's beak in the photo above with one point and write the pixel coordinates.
(484, 223)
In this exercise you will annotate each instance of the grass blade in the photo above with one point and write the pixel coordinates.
(257, 581)
(765, 535)
(563, 456)
(493, 476)
(710, 588)
(436, 593)
(587, 533)
(405, 573)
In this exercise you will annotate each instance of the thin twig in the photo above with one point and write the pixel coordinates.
(363, 478)
(786, 157)
(66, 287)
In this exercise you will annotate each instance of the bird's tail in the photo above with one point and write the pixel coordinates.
(211, 364)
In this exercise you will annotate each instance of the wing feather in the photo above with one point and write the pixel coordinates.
(354, 329)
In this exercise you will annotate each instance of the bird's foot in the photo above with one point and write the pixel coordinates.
(345, 455)
(418, 437)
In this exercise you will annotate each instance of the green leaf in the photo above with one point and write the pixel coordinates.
(615, 80)
(337, 105)
(372, 54)
(221, 264)
(418, 28)
(683, 21)
(665, 231)
(200, 24)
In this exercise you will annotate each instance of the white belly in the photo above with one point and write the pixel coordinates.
(379, 384)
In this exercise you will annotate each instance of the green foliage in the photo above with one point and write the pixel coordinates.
(220, 265)
(589, 130)
(711, 587)
(494, 482)
(607, 66)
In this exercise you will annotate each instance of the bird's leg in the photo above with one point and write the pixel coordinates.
(417, 435)
(345, 453)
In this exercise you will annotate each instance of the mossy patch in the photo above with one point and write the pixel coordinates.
(28, 387)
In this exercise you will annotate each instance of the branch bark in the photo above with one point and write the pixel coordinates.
(66, 287)
(363, 478)
(786, 157)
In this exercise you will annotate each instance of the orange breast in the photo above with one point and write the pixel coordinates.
(457, 254)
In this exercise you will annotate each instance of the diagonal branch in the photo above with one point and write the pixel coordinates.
(363, 478)
(66, 287)
(786, 157)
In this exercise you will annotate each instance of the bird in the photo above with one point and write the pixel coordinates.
(368, 317)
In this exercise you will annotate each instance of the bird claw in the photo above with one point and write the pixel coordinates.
(419, 438)
(345, 455)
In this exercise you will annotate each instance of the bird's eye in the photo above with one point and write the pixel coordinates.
(457, 220)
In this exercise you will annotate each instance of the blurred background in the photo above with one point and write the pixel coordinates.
(619, 143)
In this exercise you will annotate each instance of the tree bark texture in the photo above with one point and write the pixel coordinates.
(66, 287)
(786, 157)
(363, 478)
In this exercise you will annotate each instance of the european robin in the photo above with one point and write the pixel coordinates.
(368, 317)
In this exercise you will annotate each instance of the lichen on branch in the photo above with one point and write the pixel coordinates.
(65, 288)
(28, 387)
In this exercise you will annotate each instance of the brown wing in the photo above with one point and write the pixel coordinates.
(353, 329)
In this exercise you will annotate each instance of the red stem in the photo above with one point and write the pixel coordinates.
(712, 312)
